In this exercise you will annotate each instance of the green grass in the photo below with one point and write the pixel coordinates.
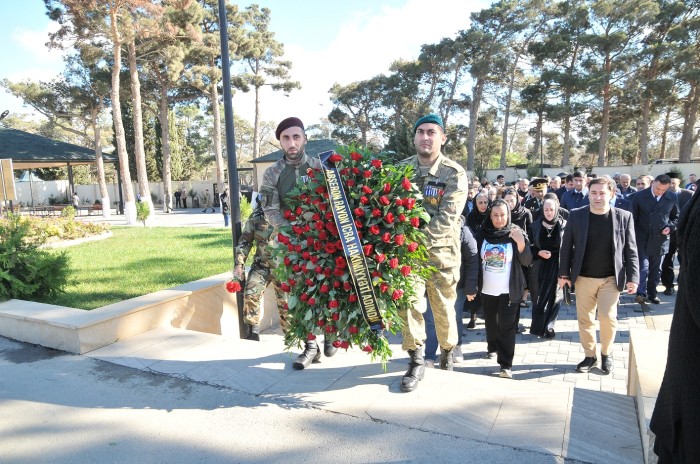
(136, 261)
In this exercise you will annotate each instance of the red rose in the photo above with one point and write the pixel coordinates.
(397, 294)
(287, 214)
(387, 188)
(330, 329)
(284, 287)
(335, 316)
(314, 259)
(309, 282)
(389, 218)
(359, 212)
(399, 202)
(310, 172)
(358, 224)
(327, 272)
(323, 206)
(336, 284)
(323, 235)
(379, 257)
(367, 190)
(321, 323)
(374, 229)
(394, 263)
(311, 336)
(304, 296)
(344, 171)
(406, 183)
(367, 348)
(347, 285)
(409, 203)
(367, 249)
(376, 212)
(306, 255)
(282, 238)
(309, 241)
(344, 345)
(384, 200)
(287, 261)
(352, 298)
(318, 270)
(296, 268)
(364, 200)
(325, 288)
(383, 287)
(353, 329)
(292, 282)
(386, 237)
(311, 301)
(376, 273)
(367, 174)
(334, 158)
(415, 221)
(399, 239)
(336, 343)
(351, 182)
(340, 262)
(405, 270)
(377, 163)
(297, 248)
(329, 248)
(290, 247)
(233, 286)
(320, 190)
(319, 225)
(355, 156)
(299, 210)
(355, 171)
(402, 217)
(413, 246)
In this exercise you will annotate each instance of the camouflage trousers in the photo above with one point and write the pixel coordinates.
(258, 279)
(441, 290)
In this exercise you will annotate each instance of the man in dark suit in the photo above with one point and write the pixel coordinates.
(655, 212)
(668, 276)
(599, 255)
(675, 420)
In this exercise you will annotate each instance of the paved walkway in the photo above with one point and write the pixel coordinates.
(549, 413)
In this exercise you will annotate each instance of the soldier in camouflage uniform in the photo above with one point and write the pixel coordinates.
(444, 186)
(256, 231)
(278, 180)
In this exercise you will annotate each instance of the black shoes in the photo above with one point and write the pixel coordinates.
(328, 349)
(606, 364)
(416, 370)
(641, 299)
(588, 363)
(252, 332)
(472, 324)
(654, 299)
(550, 333)
(311, 354)
(669, 291)
(447, 362)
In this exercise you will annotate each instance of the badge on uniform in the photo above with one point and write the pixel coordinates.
(433, 192)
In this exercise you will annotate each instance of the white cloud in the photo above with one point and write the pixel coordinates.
(363, 47)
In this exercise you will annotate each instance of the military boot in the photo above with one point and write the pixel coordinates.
(447, 362)
(328, 349)
(253, 332)
(416, 370)
(311, 354)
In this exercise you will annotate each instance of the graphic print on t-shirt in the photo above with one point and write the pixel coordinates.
(495, 257)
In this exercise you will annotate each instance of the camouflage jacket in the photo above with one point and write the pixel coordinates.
(444, 190)
(256, 231)
(278, 180)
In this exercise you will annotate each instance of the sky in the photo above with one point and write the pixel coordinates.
(327, 41)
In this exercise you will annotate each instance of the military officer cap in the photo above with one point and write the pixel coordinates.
(673, 175)
(539, 184)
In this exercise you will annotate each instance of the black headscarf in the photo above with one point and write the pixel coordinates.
(519, 214)
(491, 234)
(475, 219)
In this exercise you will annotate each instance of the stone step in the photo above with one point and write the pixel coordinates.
(555, 419)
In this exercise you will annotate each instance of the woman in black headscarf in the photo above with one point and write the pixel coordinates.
(503, 249)
(546, 233)
(475, 220)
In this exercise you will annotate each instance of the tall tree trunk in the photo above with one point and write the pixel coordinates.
(256, 125)
(163, 113)
(99, 162)
(506, 112)
(473, 115)
(605, 121)
(538, 136)
(567, 113)
(690, 115)
(127, 189)
(214, 96)
(664, 132)
(139, 151)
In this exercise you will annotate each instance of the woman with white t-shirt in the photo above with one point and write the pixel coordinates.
(503, 249)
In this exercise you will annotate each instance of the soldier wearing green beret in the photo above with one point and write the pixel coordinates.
(444, 186)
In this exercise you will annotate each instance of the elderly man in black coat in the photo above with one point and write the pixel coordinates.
(676, 421)
(655, 212)
(683, 196)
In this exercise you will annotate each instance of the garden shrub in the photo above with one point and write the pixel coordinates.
(27, 271)
(68, 212)
(142, 211)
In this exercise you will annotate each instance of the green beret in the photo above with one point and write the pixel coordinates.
(431, 118)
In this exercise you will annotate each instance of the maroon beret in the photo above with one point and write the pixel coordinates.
(286, 124)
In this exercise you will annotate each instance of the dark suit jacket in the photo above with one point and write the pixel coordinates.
(573, 246)
(650, 218)
(621, 203)
(684, 196)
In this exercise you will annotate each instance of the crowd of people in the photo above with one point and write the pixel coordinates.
(494, 246)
